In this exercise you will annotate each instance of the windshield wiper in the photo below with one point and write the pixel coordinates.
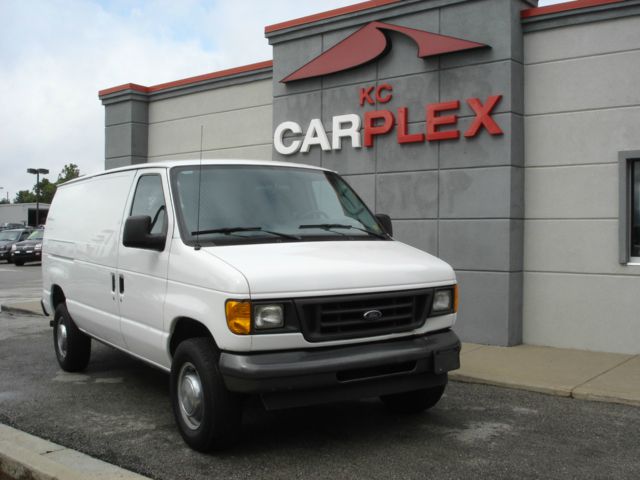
(330, 226)
(232, 230)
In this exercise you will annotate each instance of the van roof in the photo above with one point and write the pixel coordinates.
(195, 161)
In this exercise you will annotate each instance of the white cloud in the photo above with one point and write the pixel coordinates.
(55, 55)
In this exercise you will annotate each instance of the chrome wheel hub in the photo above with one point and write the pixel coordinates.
(62, 339)
(190, 397)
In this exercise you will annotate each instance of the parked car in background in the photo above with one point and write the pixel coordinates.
(10, 237)
(29, 250)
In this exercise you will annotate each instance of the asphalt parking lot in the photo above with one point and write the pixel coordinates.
(119, 411)
(20, 283)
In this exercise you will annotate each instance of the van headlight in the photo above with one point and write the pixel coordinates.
(268, 316)
(38, 246)
(240, 318)
(445, 300)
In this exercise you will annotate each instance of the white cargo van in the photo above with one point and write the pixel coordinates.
(246, 277)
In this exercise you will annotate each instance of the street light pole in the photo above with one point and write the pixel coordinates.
(37, 172)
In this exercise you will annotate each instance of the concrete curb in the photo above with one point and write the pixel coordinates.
(24, 456)
(21, 311)
(557, 392)
(27, 308)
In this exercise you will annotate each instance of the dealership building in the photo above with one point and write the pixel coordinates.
(500, 136)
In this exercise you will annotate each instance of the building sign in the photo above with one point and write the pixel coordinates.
(364, 46)
(441, 124)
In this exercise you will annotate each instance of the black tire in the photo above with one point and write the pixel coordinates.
(19, 263)
(73, 354)
(215, 423)
(414, 402)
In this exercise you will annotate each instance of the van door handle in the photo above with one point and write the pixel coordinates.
(121, 284)
(113, 283)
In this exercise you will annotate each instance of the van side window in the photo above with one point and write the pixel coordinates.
(149, 200)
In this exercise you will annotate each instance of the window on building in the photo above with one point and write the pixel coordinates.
(635, 210)
(629, 220)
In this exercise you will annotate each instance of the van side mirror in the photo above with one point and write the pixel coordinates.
(385, 221)
(137, 234)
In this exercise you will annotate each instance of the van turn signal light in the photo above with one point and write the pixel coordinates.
(455, 298)
(238, 316)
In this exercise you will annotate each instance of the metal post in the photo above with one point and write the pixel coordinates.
(37, 172)
(37, 198)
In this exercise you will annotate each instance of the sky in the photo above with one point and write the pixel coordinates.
(56, 54)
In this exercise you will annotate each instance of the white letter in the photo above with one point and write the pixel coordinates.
(315, 136)
(281, 148)
(352, 130)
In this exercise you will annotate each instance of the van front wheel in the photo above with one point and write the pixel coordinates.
(73, 348)
(208, 415)
(414, 402)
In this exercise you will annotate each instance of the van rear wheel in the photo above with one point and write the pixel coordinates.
(414, 402)
(72, 347)
(208, 415)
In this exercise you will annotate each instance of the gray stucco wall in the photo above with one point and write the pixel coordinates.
(582, 107)
(234, 113)
(236, 121)
(460, 199)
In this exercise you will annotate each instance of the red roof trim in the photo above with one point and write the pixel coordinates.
(564, 7)
(126, 86)
(328, 14)
(187, 81)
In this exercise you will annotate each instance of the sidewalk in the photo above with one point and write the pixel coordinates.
(607, 377)
(23, 456)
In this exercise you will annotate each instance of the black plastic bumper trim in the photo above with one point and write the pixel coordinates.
(430, 356)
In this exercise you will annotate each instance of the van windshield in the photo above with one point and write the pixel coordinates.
(259, 203)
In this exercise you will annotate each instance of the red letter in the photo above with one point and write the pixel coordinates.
(365, 96)
(370, 130)
(403, 135)
(434, 121)
(483, 116)
(380, 89)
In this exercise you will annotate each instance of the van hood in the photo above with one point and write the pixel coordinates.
(326, 267)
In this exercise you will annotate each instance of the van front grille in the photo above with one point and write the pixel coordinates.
(354, 316)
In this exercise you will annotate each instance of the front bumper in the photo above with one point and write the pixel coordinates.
(294, 378)
(26, 256)
(5, 254)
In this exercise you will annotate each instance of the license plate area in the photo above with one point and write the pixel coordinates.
(446, 360)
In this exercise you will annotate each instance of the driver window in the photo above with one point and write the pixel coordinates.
(149, 200)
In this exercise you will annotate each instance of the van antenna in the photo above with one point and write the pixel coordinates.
(197, 246)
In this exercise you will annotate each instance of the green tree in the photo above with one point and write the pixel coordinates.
(4, 200)
(47, 190)
(69, 172)
(25, 196)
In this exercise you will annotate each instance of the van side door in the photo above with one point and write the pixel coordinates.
(142, 272)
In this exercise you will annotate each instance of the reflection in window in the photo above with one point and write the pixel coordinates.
(149, 200)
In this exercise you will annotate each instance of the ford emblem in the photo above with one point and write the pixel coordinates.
(372, 315)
